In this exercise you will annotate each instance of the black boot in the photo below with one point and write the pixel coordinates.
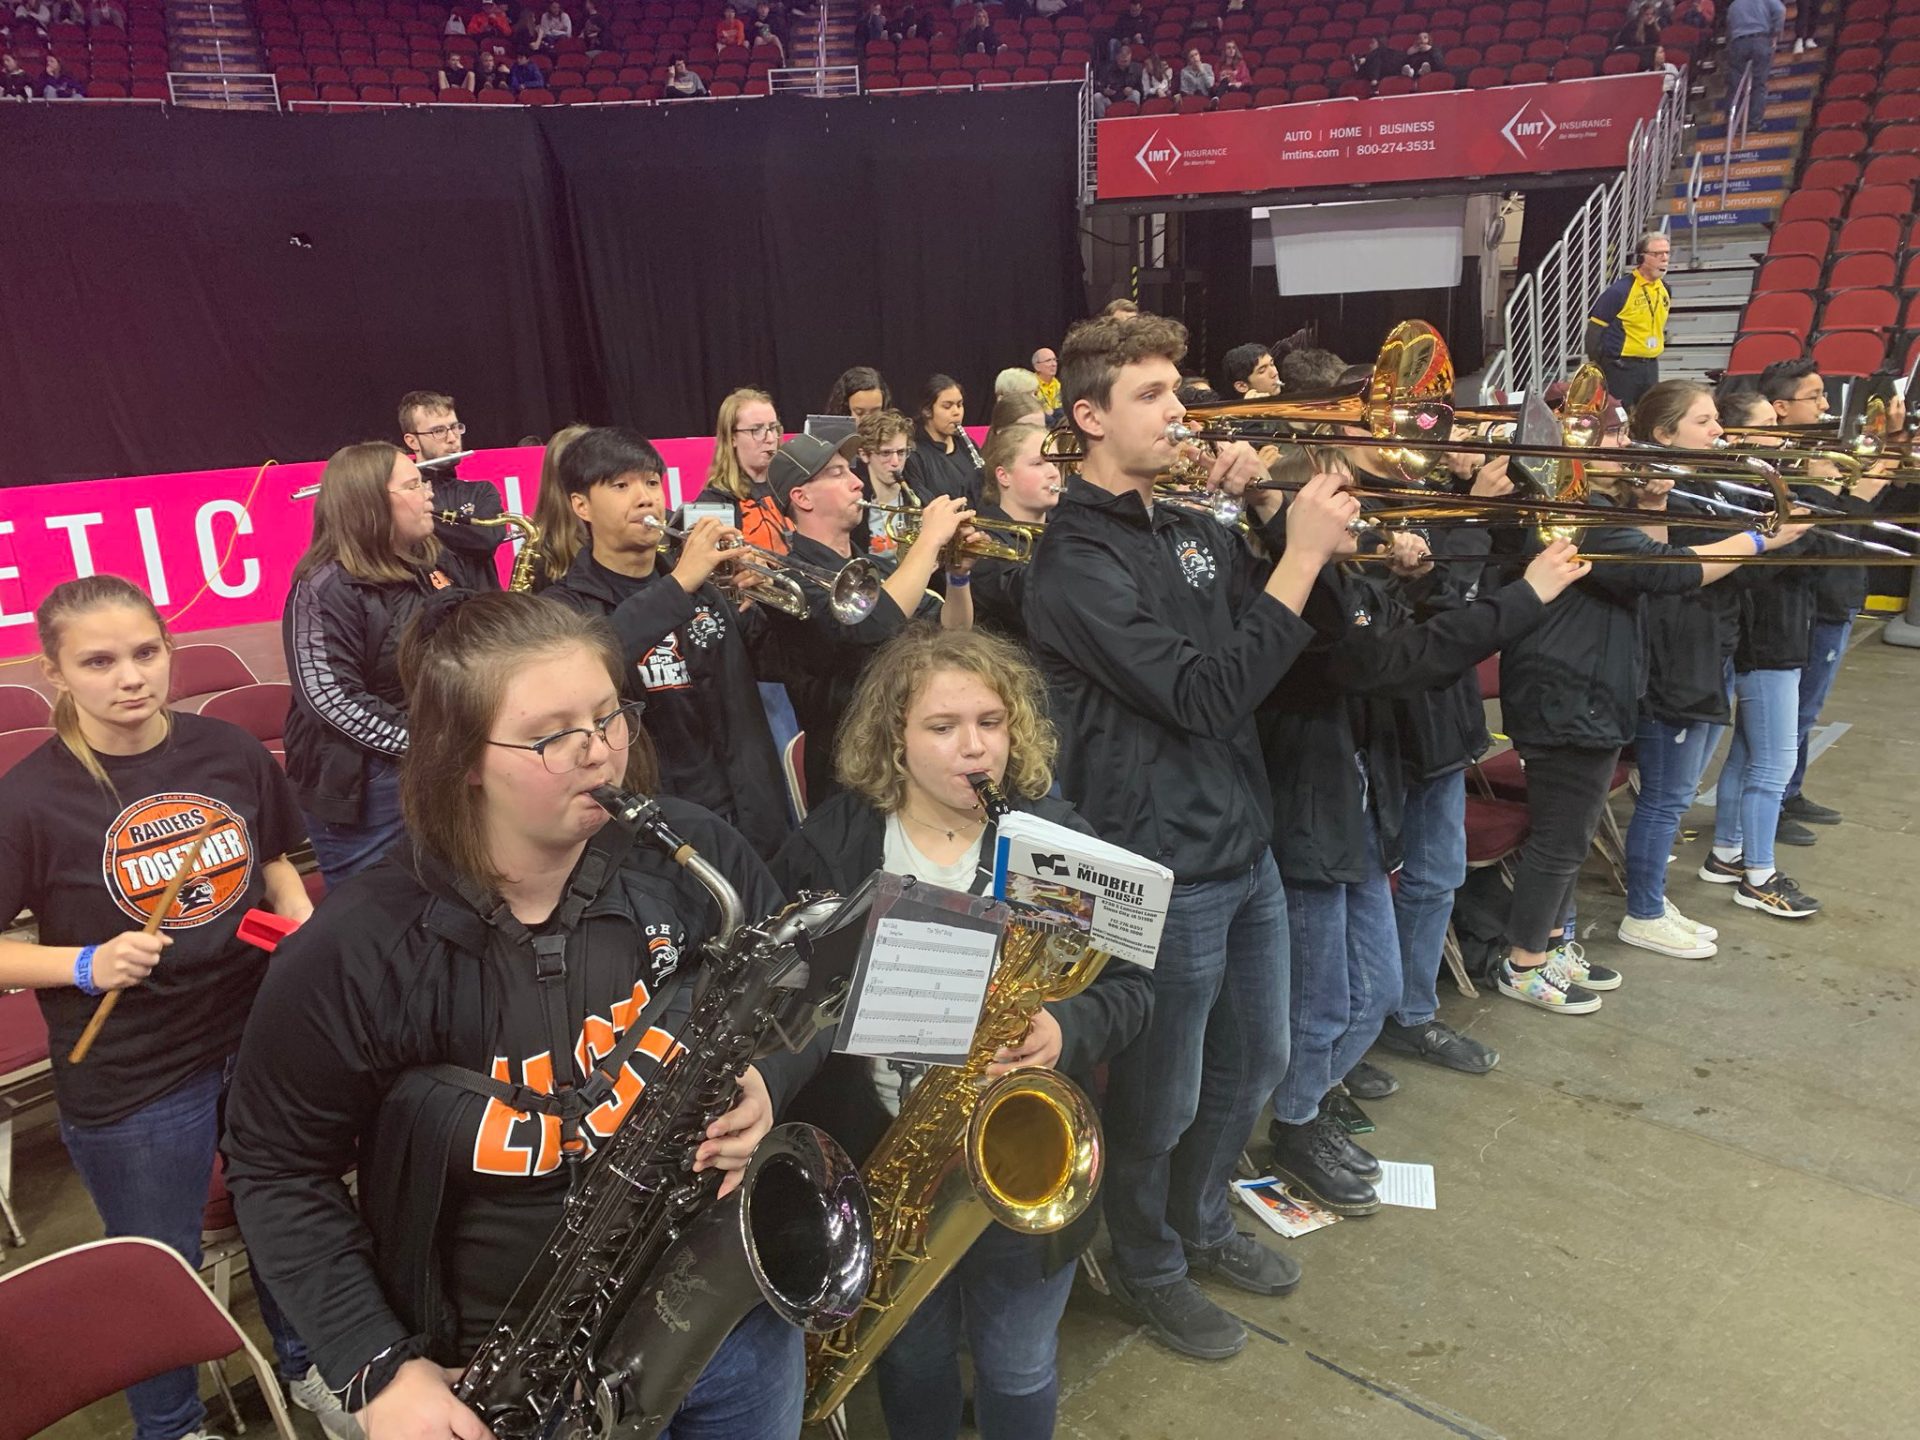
(1359, 1161)
(1310, 1158)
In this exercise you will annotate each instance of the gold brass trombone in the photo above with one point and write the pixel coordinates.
(852, 590)
(992, 539)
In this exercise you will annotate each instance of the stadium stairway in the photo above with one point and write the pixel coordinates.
(215, 57)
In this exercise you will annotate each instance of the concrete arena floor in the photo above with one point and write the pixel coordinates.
(1694, 1214)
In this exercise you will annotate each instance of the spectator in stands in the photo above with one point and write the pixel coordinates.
(1639, 32)
(69, 12)
(593, 27)
(1250, 372)
(1049, 9)
(1046, 365)
(526, 32)
(1015, 381)
(1806, 15)
(1134, 20)
(554, 26)
(1627, 328)
(1156, 79)
(683, 82)
(768, 27)
(56, 84)
(1197, 76)
(107, 12)
(871, 26)
(907, 25)
(1120, 82)
(1376, 62)
(492, 75)
(490, 19)
(730, 30)
(526, 75)
(455, 25)
(1421, 58)
(37, 13)
(860, 391)
(980, 37)
(14, 84)
(1310, 370)
(1231, 73)
(1753, 33)
(456, 75)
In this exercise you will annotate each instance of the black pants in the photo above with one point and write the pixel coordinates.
(1566, 793)
(1630, 377)
(1806, 16)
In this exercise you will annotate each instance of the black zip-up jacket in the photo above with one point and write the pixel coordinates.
(933, 470)
(1575, 680)
(999, 589)
(1776, 613)
(1443, 728)
(342, 640)
(742, 737)
(398, 972)
(467, 550)
(1839, 591)
(1690, 636)
(1158, 644)
(1333, 706)
(836, 848)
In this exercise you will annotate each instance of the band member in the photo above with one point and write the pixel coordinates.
(685, 645)
(562, 536)
(944, 461)
(860, 392)
(1333, 754)
(1018, 483)
(1159, 635)
(932, 708)
(392, 1024)
(745, 438)
(430, 428)
(1569, 695)
(821, 656)
(886, 440)
(93, 825)
(372, 564)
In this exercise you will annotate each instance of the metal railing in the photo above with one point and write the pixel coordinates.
(1737, 117)
(186, 86)
(1696, 181)
(1089, 156)
(1546, 317)
(823, 82)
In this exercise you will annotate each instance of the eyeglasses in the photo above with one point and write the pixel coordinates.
(442, 432)
(407, 487)
(569, 750)
(767, 431)
(893, 454)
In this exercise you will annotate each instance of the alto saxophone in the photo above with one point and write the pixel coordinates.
(521, 580)
(646, 1273)
(1024, 1150)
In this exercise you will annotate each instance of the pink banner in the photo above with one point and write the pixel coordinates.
(215, 547)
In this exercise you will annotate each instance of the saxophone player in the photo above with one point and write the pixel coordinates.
(371, 566)
(934, 707)
(404, 1030)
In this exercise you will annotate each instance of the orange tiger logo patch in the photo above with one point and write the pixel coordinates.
(147, 842)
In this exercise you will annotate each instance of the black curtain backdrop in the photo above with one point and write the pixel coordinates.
(211, 289)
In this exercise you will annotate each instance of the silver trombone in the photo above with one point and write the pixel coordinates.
(852, 591)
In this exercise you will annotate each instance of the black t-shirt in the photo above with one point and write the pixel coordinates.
(686, 711)
(90, 863)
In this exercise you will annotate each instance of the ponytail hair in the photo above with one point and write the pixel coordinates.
(63, 602)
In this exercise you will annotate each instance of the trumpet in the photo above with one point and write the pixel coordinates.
(993, 539)
(852, 590)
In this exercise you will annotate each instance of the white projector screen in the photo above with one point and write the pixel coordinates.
(1351, 246)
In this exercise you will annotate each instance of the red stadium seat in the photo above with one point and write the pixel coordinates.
(1753, 353)
(1881, 200)
(1435, 80)
(1892, 170)
(416, 95)
(1504, 54)
(1902, 105)
(1865, 61)
(1235, 100)
(1854, 272)
(1120, 109)
(1304, 93)
(1801, 237)
(496, 97)
(1779, 312)
(1844, 142)
(1870, 233)
(1160, 106)
(1485, 77)
(1831, 175)
(1793, 272)
(1860, 310)
(1574, 67)
(1395, 85)
(105, 90)
(1849, 87)
(1850, 353)
(1621, 63)
(378, 94)
(1530, 73)
(455, 97)
(1821, 205)
(1194, 104)
(1835, 113)
(22, 707)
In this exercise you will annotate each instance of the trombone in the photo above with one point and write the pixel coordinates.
(852, 591)
(1011, 540)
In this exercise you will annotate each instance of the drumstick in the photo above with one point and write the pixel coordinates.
(167, 897)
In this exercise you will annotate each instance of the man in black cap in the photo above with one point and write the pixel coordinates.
(822, 656)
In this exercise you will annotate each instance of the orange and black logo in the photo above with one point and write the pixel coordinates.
(147, 843)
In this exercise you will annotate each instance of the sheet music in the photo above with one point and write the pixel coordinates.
(919, 994)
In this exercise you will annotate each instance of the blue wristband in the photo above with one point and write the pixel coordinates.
(83, 971)
(1759, 542)
(960, 580)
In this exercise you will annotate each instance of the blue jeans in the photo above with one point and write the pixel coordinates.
(1346, 976)
(148, 1175)
(1433, 838)
(1182, 1098)
(1759, 763)
(753, 1388)
(1007, 1307)
(1753, 52)
(344, 850)
(1829, 648)
(1672, 759)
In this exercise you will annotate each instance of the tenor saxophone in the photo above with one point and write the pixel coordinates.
(521, 580)
(1024, 1150)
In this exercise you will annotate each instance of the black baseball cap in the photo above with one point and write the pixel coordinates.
(801, 459)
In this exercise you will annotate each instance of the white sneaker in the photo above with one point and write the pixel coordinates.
(1666, 937)
(1812, 44)
(1799, 47)
(1705, 932)
(311, 1394)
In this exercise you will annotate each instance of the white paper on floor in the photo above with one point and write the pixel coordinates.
(1404, 1184)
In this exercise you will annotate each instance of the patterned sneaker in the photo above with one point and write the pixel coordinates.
(1546, 986)
(1705, 932)
(1667, 937)
(1777, 896)
(311, 1394)
(1581, 971)
(1723, 872)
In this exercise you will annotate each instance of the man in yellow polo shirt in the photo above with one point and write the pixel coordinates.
(1627, 328)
